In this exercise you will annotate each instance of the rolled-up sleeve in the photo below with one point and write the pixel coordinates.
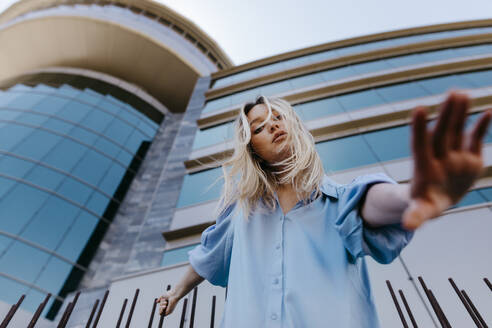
(383, 243)
(211, 259)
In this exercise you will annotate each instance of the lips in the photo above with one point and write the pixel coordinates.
(278, 135)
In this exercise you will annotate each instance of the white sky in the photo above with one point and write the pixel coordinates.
(252, 29)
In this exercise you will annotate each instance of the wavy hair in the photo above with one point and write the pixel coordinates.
(249, 181)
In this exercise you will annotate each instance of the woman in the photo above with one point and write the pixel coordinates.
(290, 243)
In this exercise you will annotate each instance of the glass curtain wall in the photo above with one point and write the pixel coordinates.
(69, 147)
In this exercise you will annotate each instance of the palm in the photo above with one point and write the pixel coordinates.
(446, 161)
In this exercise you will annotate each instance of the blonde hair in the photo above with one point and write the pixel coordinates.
(247, 179)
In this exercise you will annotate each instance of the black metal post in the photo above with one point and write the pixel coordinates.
(193, 306)
(475, 310)
(152, 313)
(395, 301)
(183, 314)
(465, 304)
(98, 316)
(11, 312)
(407, 307)
(38, 312)
(94, 308)
(129, 320)
(121, 313)
(212, 315)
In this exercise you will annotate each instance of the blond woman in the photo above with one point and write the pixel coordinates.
(289, 243)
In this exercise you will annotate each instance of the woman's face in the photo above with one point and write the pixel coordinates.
(268, 140)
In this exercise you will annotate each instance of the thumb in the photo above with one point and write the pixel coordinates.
(417, 212)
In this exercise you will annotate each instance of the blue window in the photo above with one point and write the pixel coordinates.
(77, 236)
(23, 262)
(318, 108)
(360, 99)
(176, 255)
(345, 153)
(200, 187)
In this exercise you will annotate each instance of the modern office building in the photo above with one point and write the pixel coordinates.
(115, 116)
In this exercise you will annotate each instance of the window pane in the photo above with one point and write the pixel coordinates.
(198, 187)
(14, 167)
(112, 179)
(4, 242)
(98, 203)
(58, 125)
(12, 134)
(32, 119)
(72, 151)
(306, 80)
(23, 262)
(124, 158)
(479, 79)
(92, 98)
(26, 100)
(486, 193)
(437, 55)
(54, 275)
(391, 143)
(11, 290)
(83, 135)
(18, 207)
(119, 131)
(361, 99)
(344, 153)
(68, 90)
(177, 255)
(444, 84)
(471, 198)
(32, 300)
(45, 177)
(92, 167)
(78, 236)
(404, 60)
(217, 104)
(51, 105)
(6, 185)
(318, 108)
(37, 145)
(135, 140)
(97, 120)
(74, 190)
(51, 222)
(370, 67)
(75, 111)
(338, 73)
(107, 147)
(274, 88)
(212, 136)
(474, 50)
(404, 91)
(10, 115)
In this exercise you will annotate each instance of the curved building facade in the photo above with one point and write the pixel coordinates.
(114, 130)
(85, 88)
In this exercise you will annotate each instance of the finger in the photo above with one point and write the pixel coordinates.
(420, 138)
(439, 135)
(478, 132)
(458, 117)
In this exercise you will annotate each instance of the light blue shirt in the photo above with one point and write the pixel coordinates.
(302, 269)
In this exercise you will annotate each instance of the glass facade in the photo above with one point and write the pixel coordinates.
(176, 255)
(70, 147)
(344, 51)
(344, 72)
(361, 99)
(351, 152)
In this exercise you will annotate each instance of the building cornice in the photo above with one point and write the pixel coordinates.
(151, 9)
(406, 49)
(357, 83)
(353, 41)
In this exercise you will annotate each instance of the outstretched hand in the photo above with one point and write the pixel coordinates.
(446, 159)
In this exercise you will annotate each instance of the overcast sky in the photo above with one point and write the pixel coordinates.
(253, 29)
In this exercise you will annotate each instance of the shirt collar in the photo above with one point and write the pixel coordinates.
(329, 187)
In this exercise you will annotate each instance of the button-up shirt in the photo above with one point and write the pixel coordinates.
(302, 269)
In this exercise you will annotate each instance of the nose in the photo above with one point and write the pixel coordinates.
(274, 125)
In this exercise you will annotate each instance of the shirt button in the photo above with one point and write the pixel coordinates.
(274, 316)
(275, 281)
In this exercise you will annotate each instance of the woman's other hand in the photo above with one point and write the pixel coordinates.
(447, 160)
(167, 302)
